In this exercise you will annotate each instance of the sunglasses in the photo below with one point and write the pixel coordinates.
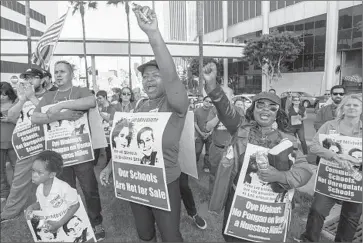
(336, 94)
(128, 94)
(271, 107)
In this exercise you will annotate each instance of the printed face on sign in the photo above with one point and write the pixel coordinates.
(74, 227)
(122, 134)
(121, 140)
(41, 233)
(145, 140)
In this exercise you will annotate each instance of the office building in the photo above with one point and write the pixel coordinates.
(13, 26)
(331, 30)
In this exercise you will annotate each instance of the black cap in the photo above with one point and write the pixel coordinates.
(269, 96)
(32, 72)
(46, 73)
(142, 67)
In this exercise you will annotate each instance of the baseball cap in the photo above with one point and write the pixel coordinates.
(46, 73)
(32, 72)
(268, 96)
(142, 67)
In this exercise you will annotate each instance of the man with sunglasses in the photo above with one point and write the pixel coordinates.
(328, 112)
(202, 136)
(286, 102)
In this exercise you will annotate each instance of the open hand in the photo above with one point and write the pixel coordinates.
(345, 164)
(105, 175)
(146, 18)
(350, 159)
(210, 76)
(28, 213)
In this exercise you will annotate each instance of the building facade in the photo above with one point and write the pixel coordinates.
(331, 30)
(13, 26)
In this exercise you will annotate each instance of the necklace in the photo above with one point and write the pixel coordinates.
(69, 96)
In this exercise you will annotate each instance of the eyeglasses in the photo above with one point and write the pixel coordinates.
(271, 107)
(210, 102)
(327, 94)
(126, 94)
(336, 94)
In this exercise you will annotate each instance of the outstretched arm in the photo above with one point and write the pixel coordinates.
(175, 91)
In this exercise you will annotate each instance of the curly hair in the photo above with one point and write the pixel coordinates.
(118, 128)
(7, 89)
(282, 118)
(53, 161)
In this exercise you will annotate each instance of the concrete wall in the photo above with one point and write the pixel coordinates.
(306, 82)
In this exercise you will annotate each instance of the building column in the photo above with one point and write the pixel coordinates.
(329, 79)
(225, 39)
(94, 75)
(265, 11)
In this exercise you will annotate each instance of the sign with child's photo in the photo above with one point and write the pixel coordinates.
(71, 139)
(77, 229)
(137, 156)
(331, 179)
(258, 213)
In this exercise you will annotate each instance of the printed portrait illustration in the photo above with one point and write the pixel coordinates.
(332, 146)
(41, 233)
(145, 142)
(53, 125)
(122, 134)
(356, 153)
(76, 229)
(251, 173)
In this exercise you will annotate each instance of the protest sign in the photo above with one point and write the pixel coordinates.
(71, 139)
(27, 138)
(321, 104)
(137, 157)
(187, 156)
(331, 179)
(77, 229)
(295, 120)
(257, 213)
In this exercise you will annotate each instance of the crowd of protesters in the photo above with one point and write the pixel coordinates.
(266, 123)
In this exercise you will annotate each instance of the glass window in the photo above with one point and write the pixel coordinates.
(298, 64)
(252, 9)
(319, 61)
(309, 44)
(11, 4)
(281, 28)
(357, 38)
(288, 67)
(288, 3)
(309, 27)
(320, 24)
(246, 10)
(299, 27)
(273, 6)
(280, 4)
(345, 18)
(22, 29)
(230, 16)
(344, 39)
(289, 27)
(308, 63)
(240, 10)
(22, 9)
(213, 16)
(6, 24)
(357, 15)
(258, 8)
(319, 43)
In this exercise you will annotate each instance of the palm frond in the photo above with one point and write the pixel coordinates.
(92, 5)
(75, 9)
(115, 2)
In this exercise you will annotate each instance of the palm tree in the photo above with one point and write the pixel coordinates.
(28, 31)
(80, 6)
(127, 10)
(200, 41)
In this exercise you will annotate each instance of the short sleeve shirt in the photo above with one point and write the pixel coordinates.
(60, 198)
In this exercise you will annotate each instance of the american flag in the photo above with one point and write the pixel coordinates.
(47, 43)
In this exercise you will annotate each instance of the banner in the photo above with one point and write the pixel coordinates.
(77, 229)
(187, 157)
(71, 139)
(137, 156)
(257, 213)
(27, 138)
(331, 179)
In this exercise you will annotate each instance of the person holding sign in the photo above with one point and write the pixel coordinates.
(297, 114)
(80, 100)
(255, 128)
(29, 91)
(347, 123)
(166, 94)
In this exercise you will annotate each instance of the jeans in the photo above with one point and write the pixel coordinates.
(88, 182)
(168, 222)
(227, 209)
(187, 195)
(301, 133)
(199, 143)
(215, 153)
(320, 209)
(21, 188)
(6, 154)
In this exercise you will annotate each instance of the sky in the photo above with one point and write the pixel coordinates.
(107, 22)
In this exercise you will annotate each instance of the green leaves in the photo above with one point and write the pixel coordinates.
(80, 5)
